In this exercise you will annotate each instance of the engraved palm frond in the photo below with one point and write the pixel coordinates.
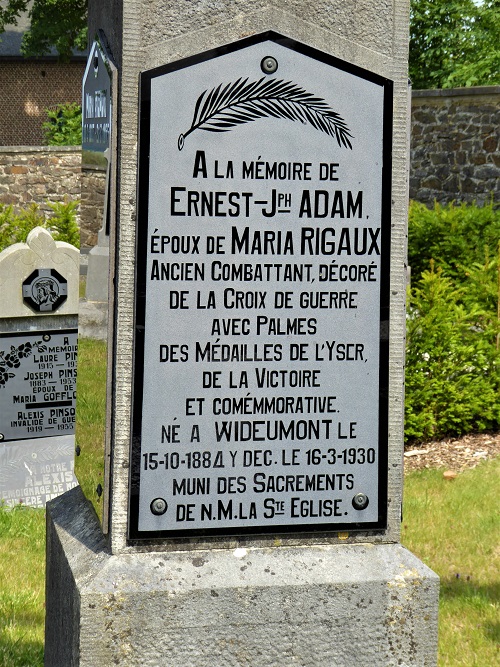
(244, 101)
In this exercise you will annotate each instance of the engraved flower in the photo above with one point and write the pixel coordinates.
(4, 375)
(11, 358)
(24, 350)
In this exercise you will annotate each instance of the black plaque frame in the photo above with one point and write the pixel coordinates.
(134, 534)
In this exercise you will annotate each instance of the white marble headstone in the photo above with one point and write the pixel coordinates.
(40, 252)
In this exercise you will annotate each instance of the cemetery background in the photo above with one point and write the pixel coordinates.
(485, 145)
(460, 583)
(455, 156)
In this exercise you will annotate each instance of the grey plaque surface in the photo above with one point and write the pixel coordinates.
(32, 472)
(262, 294)
(37, 384)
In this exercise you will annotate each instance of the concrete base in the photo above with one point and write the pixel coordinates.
(97, 274)
(337, 605)
(93, 319)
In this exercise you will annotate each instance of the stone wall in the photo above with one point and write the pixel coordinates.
(35, 174)
(93, 186)
(455, 153)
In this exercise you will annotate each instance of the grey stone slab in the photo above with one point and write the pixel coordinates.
(340, 599)
(333, 605)
(146, 41)
(34, 471)
(93, 319)
(97, 274)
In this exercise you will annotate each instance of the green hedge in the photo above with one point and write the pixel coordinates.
(452, 356)
(15, 227)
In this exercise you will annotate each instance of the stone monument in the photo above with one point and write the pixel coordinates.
(99, 96)
(255, 468)
(38, 365)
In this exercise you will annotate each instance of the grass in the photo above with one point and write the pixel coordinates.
(90, 418)
(451, 526)
(22, 529)
(454, 528)
(22, 580)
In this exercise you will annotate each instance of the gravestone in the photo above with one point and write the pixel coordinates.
(99, 96)
(96, 141)
(256, 439)
(38, 366)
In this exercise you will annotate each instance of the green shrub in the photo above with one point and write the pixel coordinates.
(481, 282)
(15, 227)
(453, 361)
(452, 364)
(64, 127)
(464, 242)
(63, 223)
(454, 236)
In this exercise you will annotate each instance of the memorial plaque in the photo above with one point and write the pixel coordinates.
(32, 472)
(262, 304)
(37, 384)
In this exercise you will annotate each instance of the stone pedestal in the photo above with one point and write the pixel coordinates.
(362, 605)
(98, 270)
(94, 309)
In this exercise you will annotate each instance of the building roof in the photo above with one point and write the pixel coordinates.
(10, 41)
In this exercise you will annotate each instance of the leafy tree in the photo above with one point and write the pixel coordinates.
(454, 43)
(54, 23)
(482, 67)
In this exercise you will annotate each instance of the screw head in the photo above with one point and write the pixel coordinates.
(269, 65)
(360, 501)
(158, 506)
